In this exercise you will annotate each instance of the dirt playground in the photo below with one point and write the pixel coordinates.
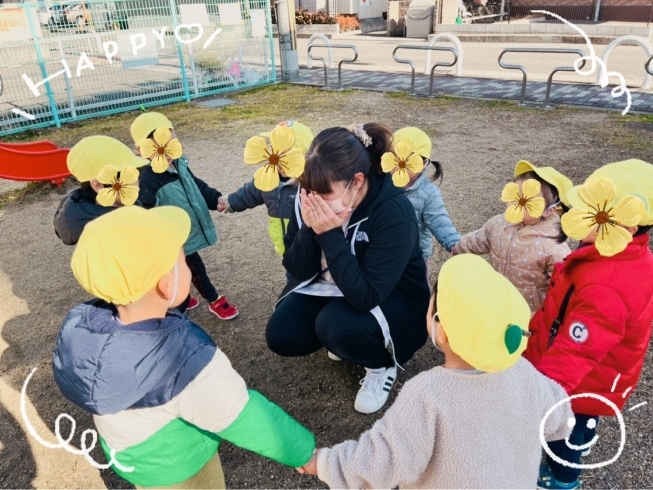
(478, 144)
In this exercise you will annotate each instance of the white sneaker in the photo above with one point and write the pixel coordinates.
(587, 452)
(375, 388)
(333, 357)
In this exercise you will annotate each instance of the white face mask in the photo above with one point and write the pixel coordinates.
(337, 206)
(175, 287)
(433, 331)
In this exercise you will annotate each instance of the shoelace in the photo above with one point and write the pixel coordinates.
(373, 381)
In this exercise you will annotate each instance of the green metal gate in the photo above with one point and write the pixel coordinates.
(67, 62)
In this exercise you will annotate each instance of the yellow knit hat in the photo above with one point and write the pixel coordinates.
(303, 135)
(123, 254)
(147, 122)
(549, 175)
(633, 177)
(482, 313)
(93, 153)
(417, 138)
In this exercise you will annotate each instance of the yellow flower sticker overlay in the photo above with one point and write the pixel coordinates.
(524, 200)
(603, 217)
(159, 148)
(278, 156)
(122, 186)
(402, 159)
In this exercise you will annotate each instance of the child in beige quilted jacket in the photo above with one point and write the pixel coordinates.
(479, 420)
(526, 241)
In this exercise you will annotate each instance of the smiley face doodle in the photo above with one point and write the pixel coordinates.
(591, 424)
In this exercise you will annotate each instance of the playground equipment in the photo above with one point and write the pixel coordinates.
(32, 162)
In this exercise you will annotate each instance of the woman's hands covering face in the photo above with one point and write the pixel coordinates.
(317, 214)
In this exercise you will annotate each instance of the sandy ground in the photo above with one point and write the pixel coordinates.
(478, 144)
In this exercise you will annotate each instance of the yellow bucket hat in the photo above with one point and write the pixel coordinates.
(549, 175)
(90, 155)
(417, 138)
(303, 135)
(147, 122)
(631, 177)
(123, 254)
(484, 316)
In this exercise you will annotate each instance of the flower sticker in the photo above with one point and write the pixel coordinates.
(159, 148)
(402, 159)
(524, 200)
(603, 217)
(278, 156)
(122, 186)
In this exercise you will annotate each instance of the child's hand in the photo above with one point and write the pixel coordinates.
(309, 468)
(222, 206)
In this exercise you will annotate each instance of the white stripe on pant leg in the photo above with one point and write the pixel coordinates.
(385, 328)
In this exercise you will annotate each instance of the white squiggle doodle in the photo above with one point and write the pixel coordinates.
(571, 422)
(620, 89)
(65, 443)
(637, 406)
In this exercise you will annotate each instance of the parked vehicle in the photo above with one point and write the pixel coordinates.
(52, 16)
(99, 16)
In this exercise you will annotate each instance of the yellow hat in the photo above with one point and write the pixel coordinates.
(549, 175)
(303, 135)
(147, 122)
(482, 313)
(93, 153)
(417, 138)
(634, 177)
(123, 254)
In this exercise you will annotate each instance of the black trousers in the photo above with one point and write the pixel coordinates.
(580, 435)
(303, 324)
(200, 280)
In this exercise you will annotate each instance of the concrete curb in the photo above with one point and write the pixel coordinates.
(533, 38)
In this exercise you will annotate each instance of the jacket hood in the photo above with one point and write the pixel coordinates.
(638, 247)
(105, 366)
(381, 189)
(549, 227)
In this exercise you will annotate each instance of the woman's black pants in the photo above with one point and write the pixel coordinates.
(303, 324)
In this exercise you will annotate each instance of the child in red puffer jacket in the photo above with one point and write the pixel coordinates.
(593, 329)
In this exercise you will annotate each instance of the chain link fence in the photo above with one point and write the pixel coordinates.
(66, 62)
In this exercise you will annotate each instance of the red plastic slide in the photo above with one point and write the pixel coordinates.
(37, 161)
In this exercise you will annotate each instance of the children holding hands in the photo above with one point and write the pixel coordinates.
(473, 422)
(289, 139)
(593, 330)
(525, 242)
(162, 394)
(408, 163)
(168, 180)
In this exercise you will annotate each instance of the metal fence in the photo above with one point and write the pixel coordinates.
(588, 11)
(65, 62)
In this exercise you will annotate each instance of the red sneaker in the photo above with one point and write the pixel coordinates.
(222, 309)
(192, 304)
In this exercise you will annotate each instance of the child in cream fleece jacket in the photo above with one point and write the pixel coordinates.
(472, 423)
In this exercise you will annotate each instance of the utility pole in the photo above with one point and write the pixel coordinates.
(597, 10)
(287, 40)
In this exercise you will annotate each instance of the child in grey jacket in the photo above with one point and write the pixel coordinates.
(479, 420)
(280, 202)
(425, 196)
